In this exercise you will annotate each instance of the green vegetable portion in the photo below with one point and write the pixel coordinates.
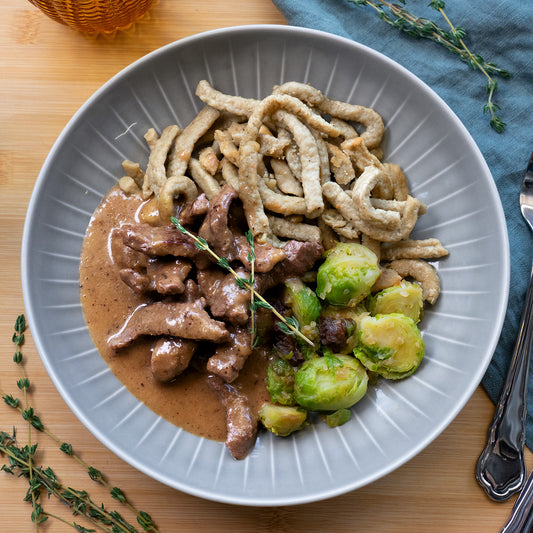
(347, 274)
(282, 420)
(305, 307)
(302, 300)
(390, 345)
(359, 338)
(338, 418)
(330, 383)
(280, 382)
(405, 298)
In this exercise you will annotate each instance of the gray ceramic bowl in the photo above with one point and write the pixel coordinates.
(396, 420)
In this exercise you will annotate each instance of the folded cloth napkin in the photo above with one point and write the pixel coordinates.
(500, 31)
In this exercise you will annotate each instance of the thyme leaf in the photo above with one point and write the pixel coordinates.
(117, 494)
(66, 448)
(94, 474)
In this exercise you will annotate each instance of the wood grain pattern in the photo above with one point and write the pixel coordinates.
(48, 71)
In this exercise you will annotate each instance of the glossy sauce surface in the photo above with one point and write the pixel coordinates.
(107, 302)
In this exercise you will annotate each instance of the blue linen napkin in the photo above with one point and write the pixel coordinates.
(500, 31)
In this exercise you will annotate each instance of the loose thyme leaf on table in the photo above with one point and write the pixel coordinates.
(453, 40)
(21, 461)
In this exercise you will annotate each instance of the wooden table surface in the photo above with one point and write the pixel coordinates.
(47, 72)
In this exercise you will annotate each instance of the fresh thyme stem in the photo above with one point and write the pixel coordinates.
(23, 384)
(289, 324)
(30, 460)
(23, 459)
(142, 517)
(48, 481)
(73, 524)
(251, 258)
(397, 16)
(491, 106)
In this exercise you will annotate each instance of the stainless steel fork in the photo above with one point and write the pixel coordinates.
(501, 470)
(521, 518)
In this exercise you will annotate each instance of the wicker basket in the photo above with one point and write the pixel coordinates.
(95, 16)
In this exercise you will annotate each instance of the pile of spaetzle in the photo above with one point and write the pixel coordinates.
(305, 167)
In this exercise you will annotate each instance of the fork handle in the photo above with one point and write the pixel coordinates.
(521, 518)
(501, 469)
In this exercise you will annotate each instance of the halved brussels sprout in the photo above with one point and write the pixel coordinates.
(280, 382)
(390, 345)
(302, 300)
(281, 419)
(405, 298)
(329, 383)
(347, 274)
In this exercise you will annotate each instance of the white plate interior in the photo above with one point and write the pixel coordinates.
(445, 170)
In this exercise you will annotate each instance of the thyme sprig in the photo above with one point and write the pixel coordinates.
(452, 39)
(288, 325)
(24, 384)
(45, 479)
(253, 307)
(39, 478)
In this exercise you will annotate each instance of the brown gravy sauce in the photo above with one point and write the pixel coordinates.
(107, 302)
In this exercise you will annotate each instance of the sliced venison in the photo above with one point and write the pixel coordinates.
(241, 424)
(171, 356)
(225, 299)
(184, 320)
(229, 357)
(159, 240)
(215, 229)
(300, 257)
(194, 210)
(163, 277)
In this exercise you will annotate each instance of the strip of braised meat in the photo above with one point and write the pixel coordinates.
(175, 319)
(158, 240)
(241, 424)
(194, 210)
(191, 293)
(267, 256)
(171, 356)
(222, 229)
(300, 258)
(125, 256)
(224, 298)
(229, 358)
(164, 277)
(215, 229)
